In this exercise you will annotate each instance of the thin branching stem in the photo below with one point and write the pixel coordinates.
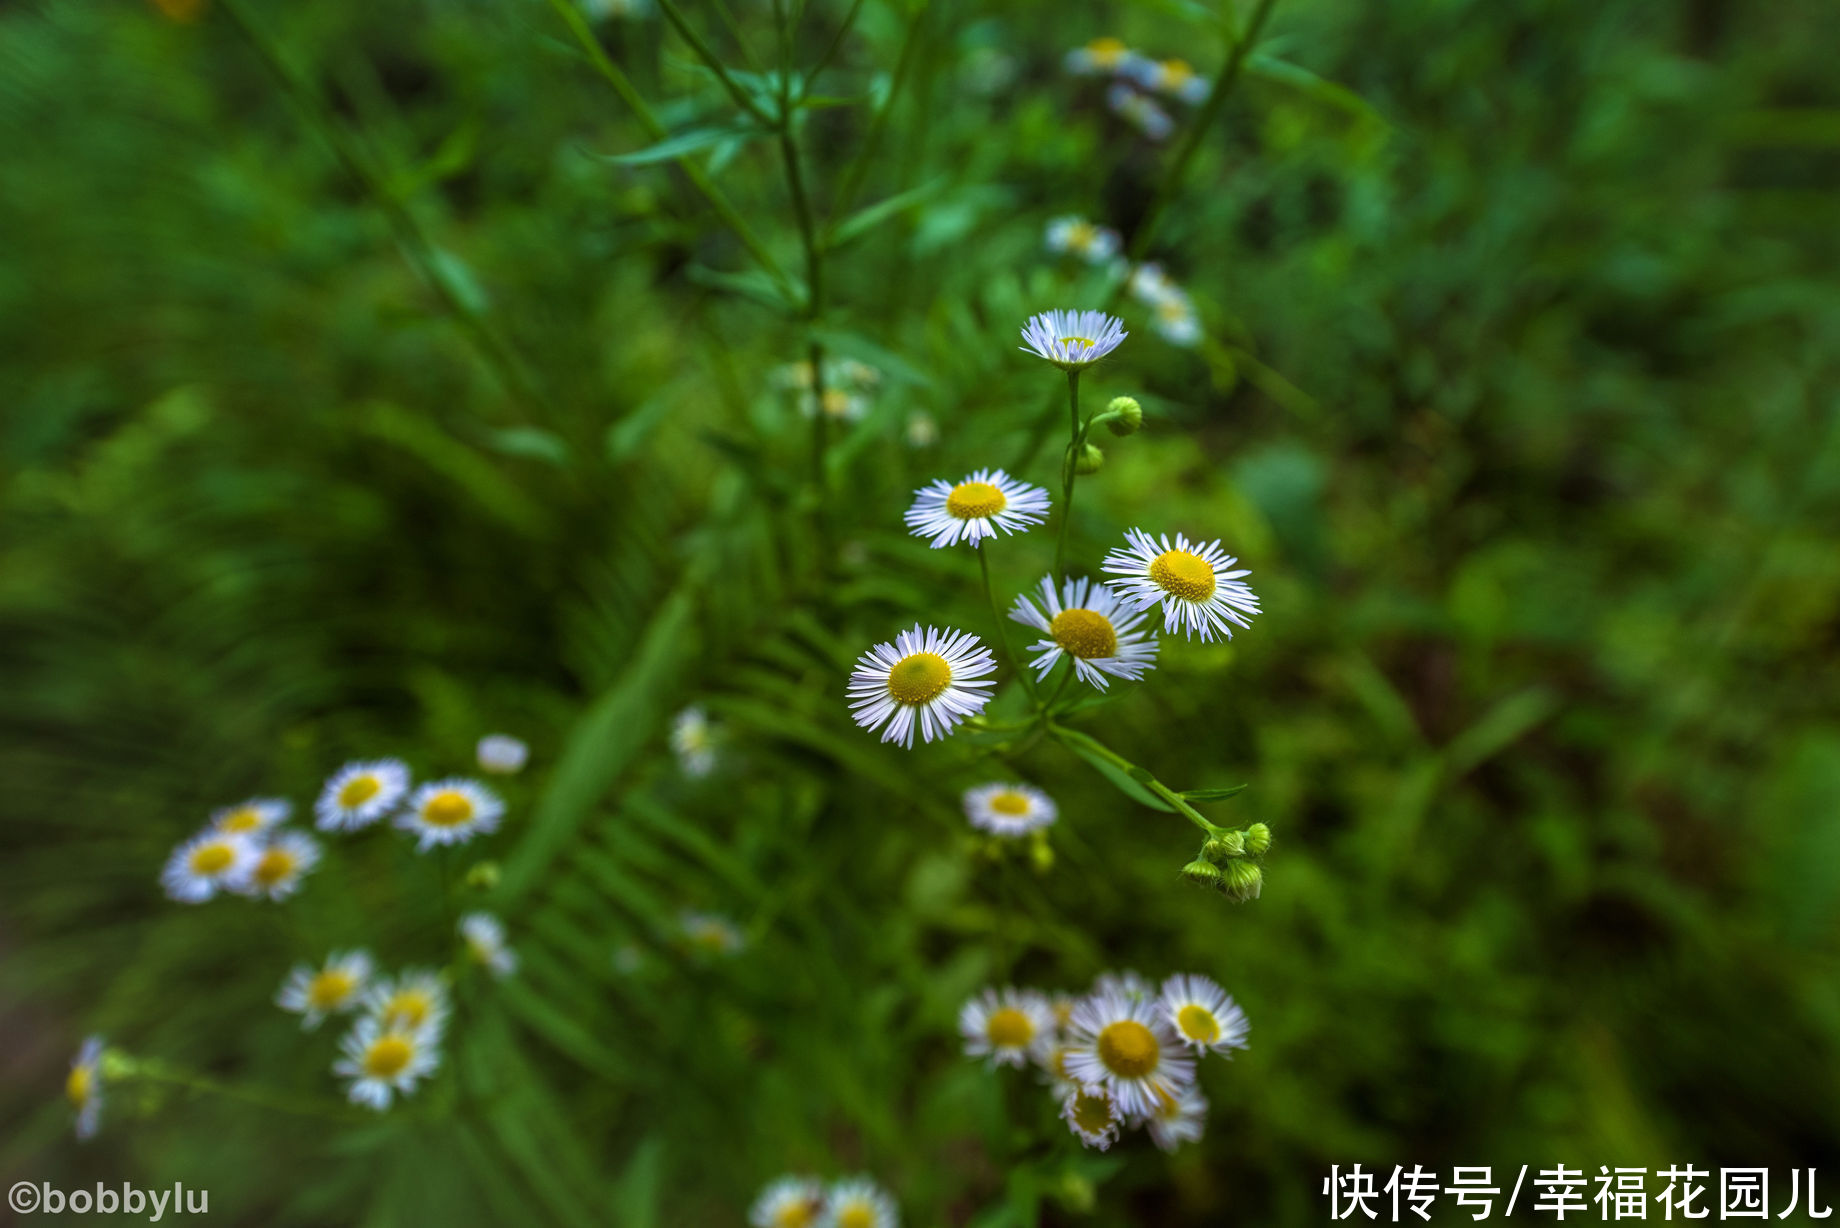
(707, 54)
(1086, 741)
(851, 182)
(1069, 470)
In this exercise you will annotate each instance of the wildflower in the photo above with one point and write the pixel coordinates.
(501, 753)
(932, 680)
(922, 431)
(711, 934)
(207, 864)
(382, 1060)
(858, 374)
(1006, 1025)
(788, 1202)
(1173, 78)
(1203, 1014)
(337, 986)
(1091, 1111)
(840, 405)
(1139, 111)
(1102, 55)
(1178, 1119)
(1150, 284)
(485, 943)
(1092, 243)
(1071, 339)
(1052, 1058)
(984, 504)
(1198, 592)
(859, 1203)
(279, 866)
(359, 794)
(1089, 625)
(1127, 983)
(1126, 1045)
(450, 811)
(252, 817)
(1008, 810)
(693, 742)
(414, 1002)
(83, 1087)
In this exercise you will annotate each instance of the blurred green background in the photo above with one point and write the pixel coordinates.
(1519, 400)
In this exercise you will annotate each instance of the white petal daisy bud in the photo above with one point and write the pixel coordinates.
(1124, 416)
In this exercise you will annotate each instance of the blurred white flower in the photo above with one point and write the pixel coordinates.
(279, 866)
(1178, 1119)
(859, 1203)
(501, 753)
(415, 1002)
(984, 504)
(1090, 626)
(1102, 55)
(83, 1087)
(927, 679)
(1008, 810)
(258, 814)
(485, 943)
(1126, 1046)
(1192, 580)
(1176, 321)
(1070, 339)
(1203, 1014)
(922, 431)
(693, 742)
(788, 1202)
(207, 864)
(337, 985)
(450, 811)
(1090, 242)
(359, 794)
(1174, 78)
(1008, 1026)
(383, 1061)
(709, 933)
(1140, 111)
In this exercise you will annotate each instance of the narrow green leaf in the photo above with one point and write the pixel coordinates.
(867, 219)
(683, 143)
(1212, 795)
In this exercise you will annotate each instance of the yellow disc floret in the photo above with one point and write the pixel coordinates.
(388, 1056)
(855, 1215)
(448, 808)
(328, 990)
(919, 679)
(1086, 634)
(975, 501)
(80, 1085)
(1092, 1114)
(244, 818)
(275, 867)
(797, 1214)
(1198, 1023)
(1128, 1049)
(1009, 1028)
(358, 790)
(1010, 802)
(1183, 574)
(212, 859)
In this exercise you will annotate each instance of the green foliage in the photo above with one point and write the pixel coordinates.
(398, 379)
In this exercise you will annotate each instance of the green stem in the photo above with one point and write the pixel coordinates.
(260, 1097)
(1059, 687)
(996, 614)
(851, 183)
(1067, 737)
(704, 52)
(849, 19)
(1075, 436)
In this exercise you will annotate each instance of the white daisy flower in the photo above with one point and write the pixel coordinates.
(383, 1061)
(840, 404)
(709, 933)
(252, 817)
(359, 794)
(1008, 810)
(1102, 55)
(336, 986)
(1052, 1058)
(1127, 1046)
(788, 1202)
(1093, 243)
(279, 866)
(450, 811)
(1176, 321)
(922, 431)
(928, 679)
(501, 753)
(1008, 1026)
(1150, 284)
(1178, 1119)
(1174, 78)
(859, 374)
(983, 504)
(83, 1087)
(693, 742)
(1203, 1014)
(207, 864)
(1127, 983)
(485, 943)
(1199, 594)
(860, 1203)
(415, 1002)
(1092, 1113)
(1140, 112)
(1070, 339)
(1090, 626)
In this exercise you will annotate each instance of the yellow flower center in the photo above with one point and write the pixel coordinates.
(1081, 235)
(1092, 1114)
(1128, 1049)
(80, 1085)
(246, 818)
(798, 1214)
(1010, 802)
(275, 867)
(919, 679)
(1185, 575)
(1086, 634)
(387, 1057)
(1057, 1062)
(1175, 72)
(1198, 1023)
(448, 808)
(1084, 343)
(1009, 1028)
(1106, 51)
(975, 501)
(856, 1215)
(329, 989)
(411, 1007)
(1173, 311)
(358, 790)
(212, 859)
(837, 402)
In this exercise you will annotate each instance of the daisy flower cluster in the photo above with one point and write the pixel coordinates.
(806, 1202)
(1123, 1055)
(245, 850)
(1138, 82)
(849, 386)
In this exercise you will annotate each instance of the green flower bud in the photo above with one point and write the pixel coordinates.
(1127, 416)
(1041, 853)
(1223, 848)
(1258, 839)
(1203, 874)
(1241, 881)
(1091, 459)
(1076, 1193)
(482, 877)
